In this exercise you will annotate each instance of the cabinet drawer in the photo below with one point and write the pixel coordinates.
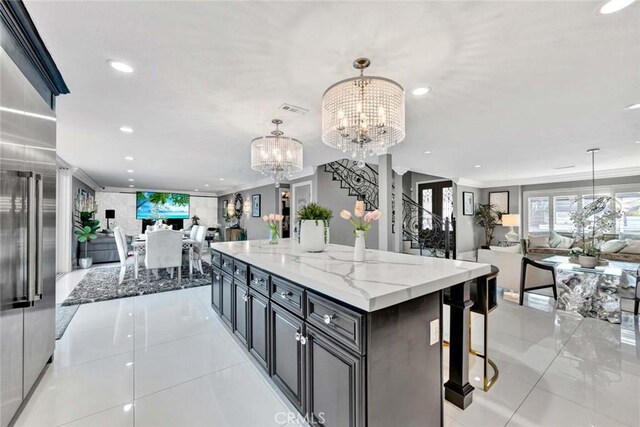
(216, 259)
(227, 264)
(259, 280)
(288, 295)
(240, 271)
(339, 322)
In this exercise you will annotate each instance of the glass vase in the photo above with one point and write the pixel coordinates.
(273, 235)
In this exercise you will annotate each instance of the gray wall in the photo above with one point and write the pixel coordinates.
(333, 197)
(466, 237)
(77, 185)
(256, 228)
(515, 193)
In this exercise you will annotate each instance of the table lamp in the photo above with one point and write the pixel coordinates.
(109, 214)
(511, 220)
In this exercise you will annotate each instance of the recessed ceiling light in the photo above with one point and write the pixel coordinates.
(428, 152)
(638, 142)
(612, 6)
(419, 91)
(221, 179)
(635, 106)
(131, 185)
(129, 158)
(121, 66)
(196, 190)
(126, 129)
(131, 180)
(129, 170)
(206, 185)
(477, 166)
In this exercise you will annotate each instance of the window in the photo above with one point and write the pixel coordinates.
(538, 214)
(629, 204)
(562, 207)
(550, 210)
(427, 207)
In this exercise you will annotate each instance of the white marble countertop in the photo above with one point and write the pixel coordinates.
(385, 279)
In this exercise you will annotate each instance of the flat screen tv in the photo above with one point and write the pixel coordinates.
(162, 205)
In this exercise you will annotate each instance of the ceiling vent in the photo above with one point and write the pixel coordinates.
(293, 109)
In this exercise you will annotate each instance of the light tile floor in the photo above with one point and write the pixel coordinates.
(166, 360)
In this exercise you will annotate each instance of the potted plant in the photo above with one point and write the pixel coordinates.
(487, 217)
(195, 220)
(361, 227)
(313, 227)
(574, 254)
(84, 234)
(589, 225)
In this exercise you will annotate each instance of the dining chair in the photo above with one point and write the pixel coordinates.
(198, 247)
(535, 276)
(194, 231)
(164, 250)
(123, 254)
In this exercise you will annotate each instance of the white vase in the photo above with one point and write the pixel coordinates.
(359, 246)
(312, 235)
(586, 261)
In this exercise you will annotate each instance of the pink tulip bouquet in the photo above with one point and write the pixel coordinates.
(273, 222)
(363, 219)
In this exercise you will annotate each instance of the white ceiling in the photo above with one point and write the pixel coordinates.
(518, 87)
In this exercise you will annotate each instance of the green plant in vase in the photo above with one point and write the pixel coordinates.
(313, 227)
(487, 217)
(273, 223)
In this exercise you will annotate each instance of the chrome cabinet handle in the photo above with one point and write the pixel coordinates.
(284, 295)
(303, 340)
(245, 297)
(328, 318)
(298, 336)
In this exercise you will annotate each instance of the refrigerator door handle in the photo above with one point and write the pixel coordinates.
(39, 237)
(32, 235)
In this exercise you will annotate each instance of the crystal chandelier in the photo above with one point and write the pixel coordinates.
(363, 115)
(276, 155)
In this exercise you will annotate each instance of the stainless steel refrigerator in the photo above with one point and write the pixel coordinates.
(27, 236)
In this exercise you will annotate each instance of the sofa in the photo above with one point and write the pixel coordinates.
(610, 251)
(102, 249)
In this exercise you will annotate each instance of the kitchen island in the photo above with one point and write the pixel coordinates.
(349, 344)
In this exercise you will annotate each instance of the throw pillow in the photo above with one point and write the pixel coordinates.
(633, 247)
(538, 241)
(613, 246)
(560, 242)
(515, 249)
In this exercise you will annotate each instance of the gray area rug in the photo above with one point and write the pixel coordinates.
(64, 314)
(101, 284)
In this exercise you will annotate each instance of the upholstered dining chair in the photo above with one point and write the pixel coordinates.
(535, 276)
(198, 247)
(123, 253)
(194, 231)
(164, 250)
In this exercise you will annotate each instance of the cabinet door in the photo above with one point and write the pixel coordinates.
(226, 296)
(241, 301)
(258, 333)
(334, 383)
(287, 355)
(216, 285)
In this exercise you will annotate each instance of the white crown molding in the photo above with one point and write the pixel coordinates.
(468, 182)
(154, 190)
(84, 177)
(309, 170)
(581, 176)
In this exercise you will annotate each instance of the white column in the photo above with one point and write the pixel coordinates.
(397, 237)
(64, 220)
(385, 190)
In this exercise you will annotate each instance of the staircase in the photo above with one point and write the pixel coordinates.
(424, 232)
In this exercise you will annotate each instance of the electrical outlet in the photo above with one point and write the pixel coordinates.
(434, 336)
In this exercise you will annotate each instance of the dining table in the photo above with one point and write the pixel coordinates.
(139, 245)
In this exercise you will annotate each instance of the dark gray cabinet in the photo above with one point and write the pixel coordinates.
(216, 284)
(226, 299)
(334, 378)
(258, 327)
(287, 354)
(240, 301)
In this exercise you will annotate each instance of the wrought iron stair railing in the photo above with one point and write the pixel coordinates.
(430, 233)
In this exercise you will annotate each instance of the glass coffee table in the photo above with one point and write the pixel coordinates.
(593, 292)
